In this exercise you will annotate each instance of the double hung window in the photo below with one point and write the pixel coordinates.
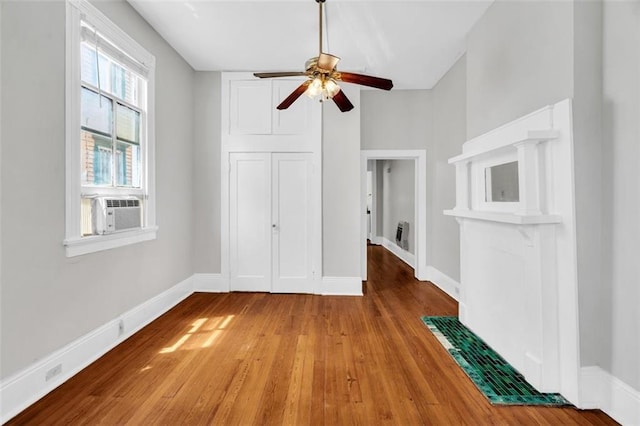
(110, 144)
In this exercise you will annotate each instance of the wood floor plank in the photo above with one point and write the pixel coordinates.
(255, 358)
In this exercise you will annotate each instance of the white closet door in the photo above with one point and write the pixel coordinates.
(292, 223)
(250, 222)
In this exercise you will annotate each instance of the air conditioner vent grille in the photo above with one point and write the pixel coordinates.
(122, 202)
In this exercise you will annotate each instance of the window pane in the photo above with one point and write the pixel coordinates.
(96, 151)
(128, 164)
(89, 70)
(124, 83)
(128, 124)
(118, 80)
(96, 115)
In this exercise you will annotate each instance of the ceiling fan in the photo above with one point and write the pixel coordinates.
(323, 77)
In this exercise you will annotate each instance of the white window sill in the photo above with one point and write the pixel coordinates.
(85, 245)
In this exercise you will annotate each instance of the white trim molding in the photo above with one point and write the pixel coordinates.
(399, 252)
(601, 390)
(341, 286)
(210, 283)
(22, 389)
(80, 246)
(444, 282)
(376, 240)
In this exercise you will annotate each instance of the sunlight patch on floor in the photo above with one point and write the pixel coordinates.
(204, 333)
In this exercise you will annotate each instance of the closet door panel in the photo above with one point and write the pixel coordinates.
(292, 217)
(250, 222)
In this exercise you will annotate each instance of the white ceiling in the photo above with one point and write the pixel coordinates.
(412, 42)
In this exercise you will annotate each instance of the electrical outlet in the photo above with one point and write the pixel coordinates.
(53, 372)
(121, 328)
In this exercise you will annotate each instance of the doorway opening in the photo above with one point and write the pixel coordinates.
(377, 168)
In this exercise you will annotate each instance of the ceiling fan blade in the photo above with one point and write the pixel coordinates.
(293, 96)
(366, 80)
(327, 62)
(342, 101)
(279, 74)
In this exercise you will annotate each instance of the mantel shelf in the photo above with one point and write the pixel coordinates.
(530, 136)
(506, 217)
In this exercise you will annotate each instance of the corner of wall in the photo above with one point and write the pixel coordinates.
(601, 390)
(444, 282)
(341, 286)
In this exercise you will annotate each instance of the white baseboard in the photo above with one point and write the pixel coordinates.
(24, 388)
(341, 286)
(210, 283)
(402, 254)
(376, 240)
(444, 282)
(599, 389)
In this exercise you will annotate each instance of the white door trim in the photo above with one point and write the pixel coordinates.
(373, 214)
(419, 156)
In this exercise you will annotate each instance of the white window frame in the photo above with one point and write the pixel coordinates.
(75, 243)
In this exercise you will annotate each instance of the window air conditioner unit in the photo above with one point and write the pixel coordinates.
(115, 214)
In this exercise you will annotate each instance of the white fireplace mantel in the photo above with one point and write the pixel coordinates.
(518, 253)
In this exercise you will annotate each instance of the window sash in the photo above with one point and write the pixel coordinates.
(79, 14)
(116, 140)
(95, 38)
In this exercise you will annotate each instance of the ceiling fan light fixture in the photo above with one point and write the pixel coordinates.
(323, 77)
(315, 88)
(322, 86)
(331, 88)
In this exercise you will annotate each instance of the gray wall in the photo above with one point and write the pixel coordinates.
(206, 172)
(399, 119)
(449, 117)
(341, 188)
(621, 147)
(587, 152)
(519, 58)
(398, 195)
(49, 300)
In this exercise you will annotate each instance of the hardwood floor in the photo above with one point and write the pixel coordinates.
(252, 358)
